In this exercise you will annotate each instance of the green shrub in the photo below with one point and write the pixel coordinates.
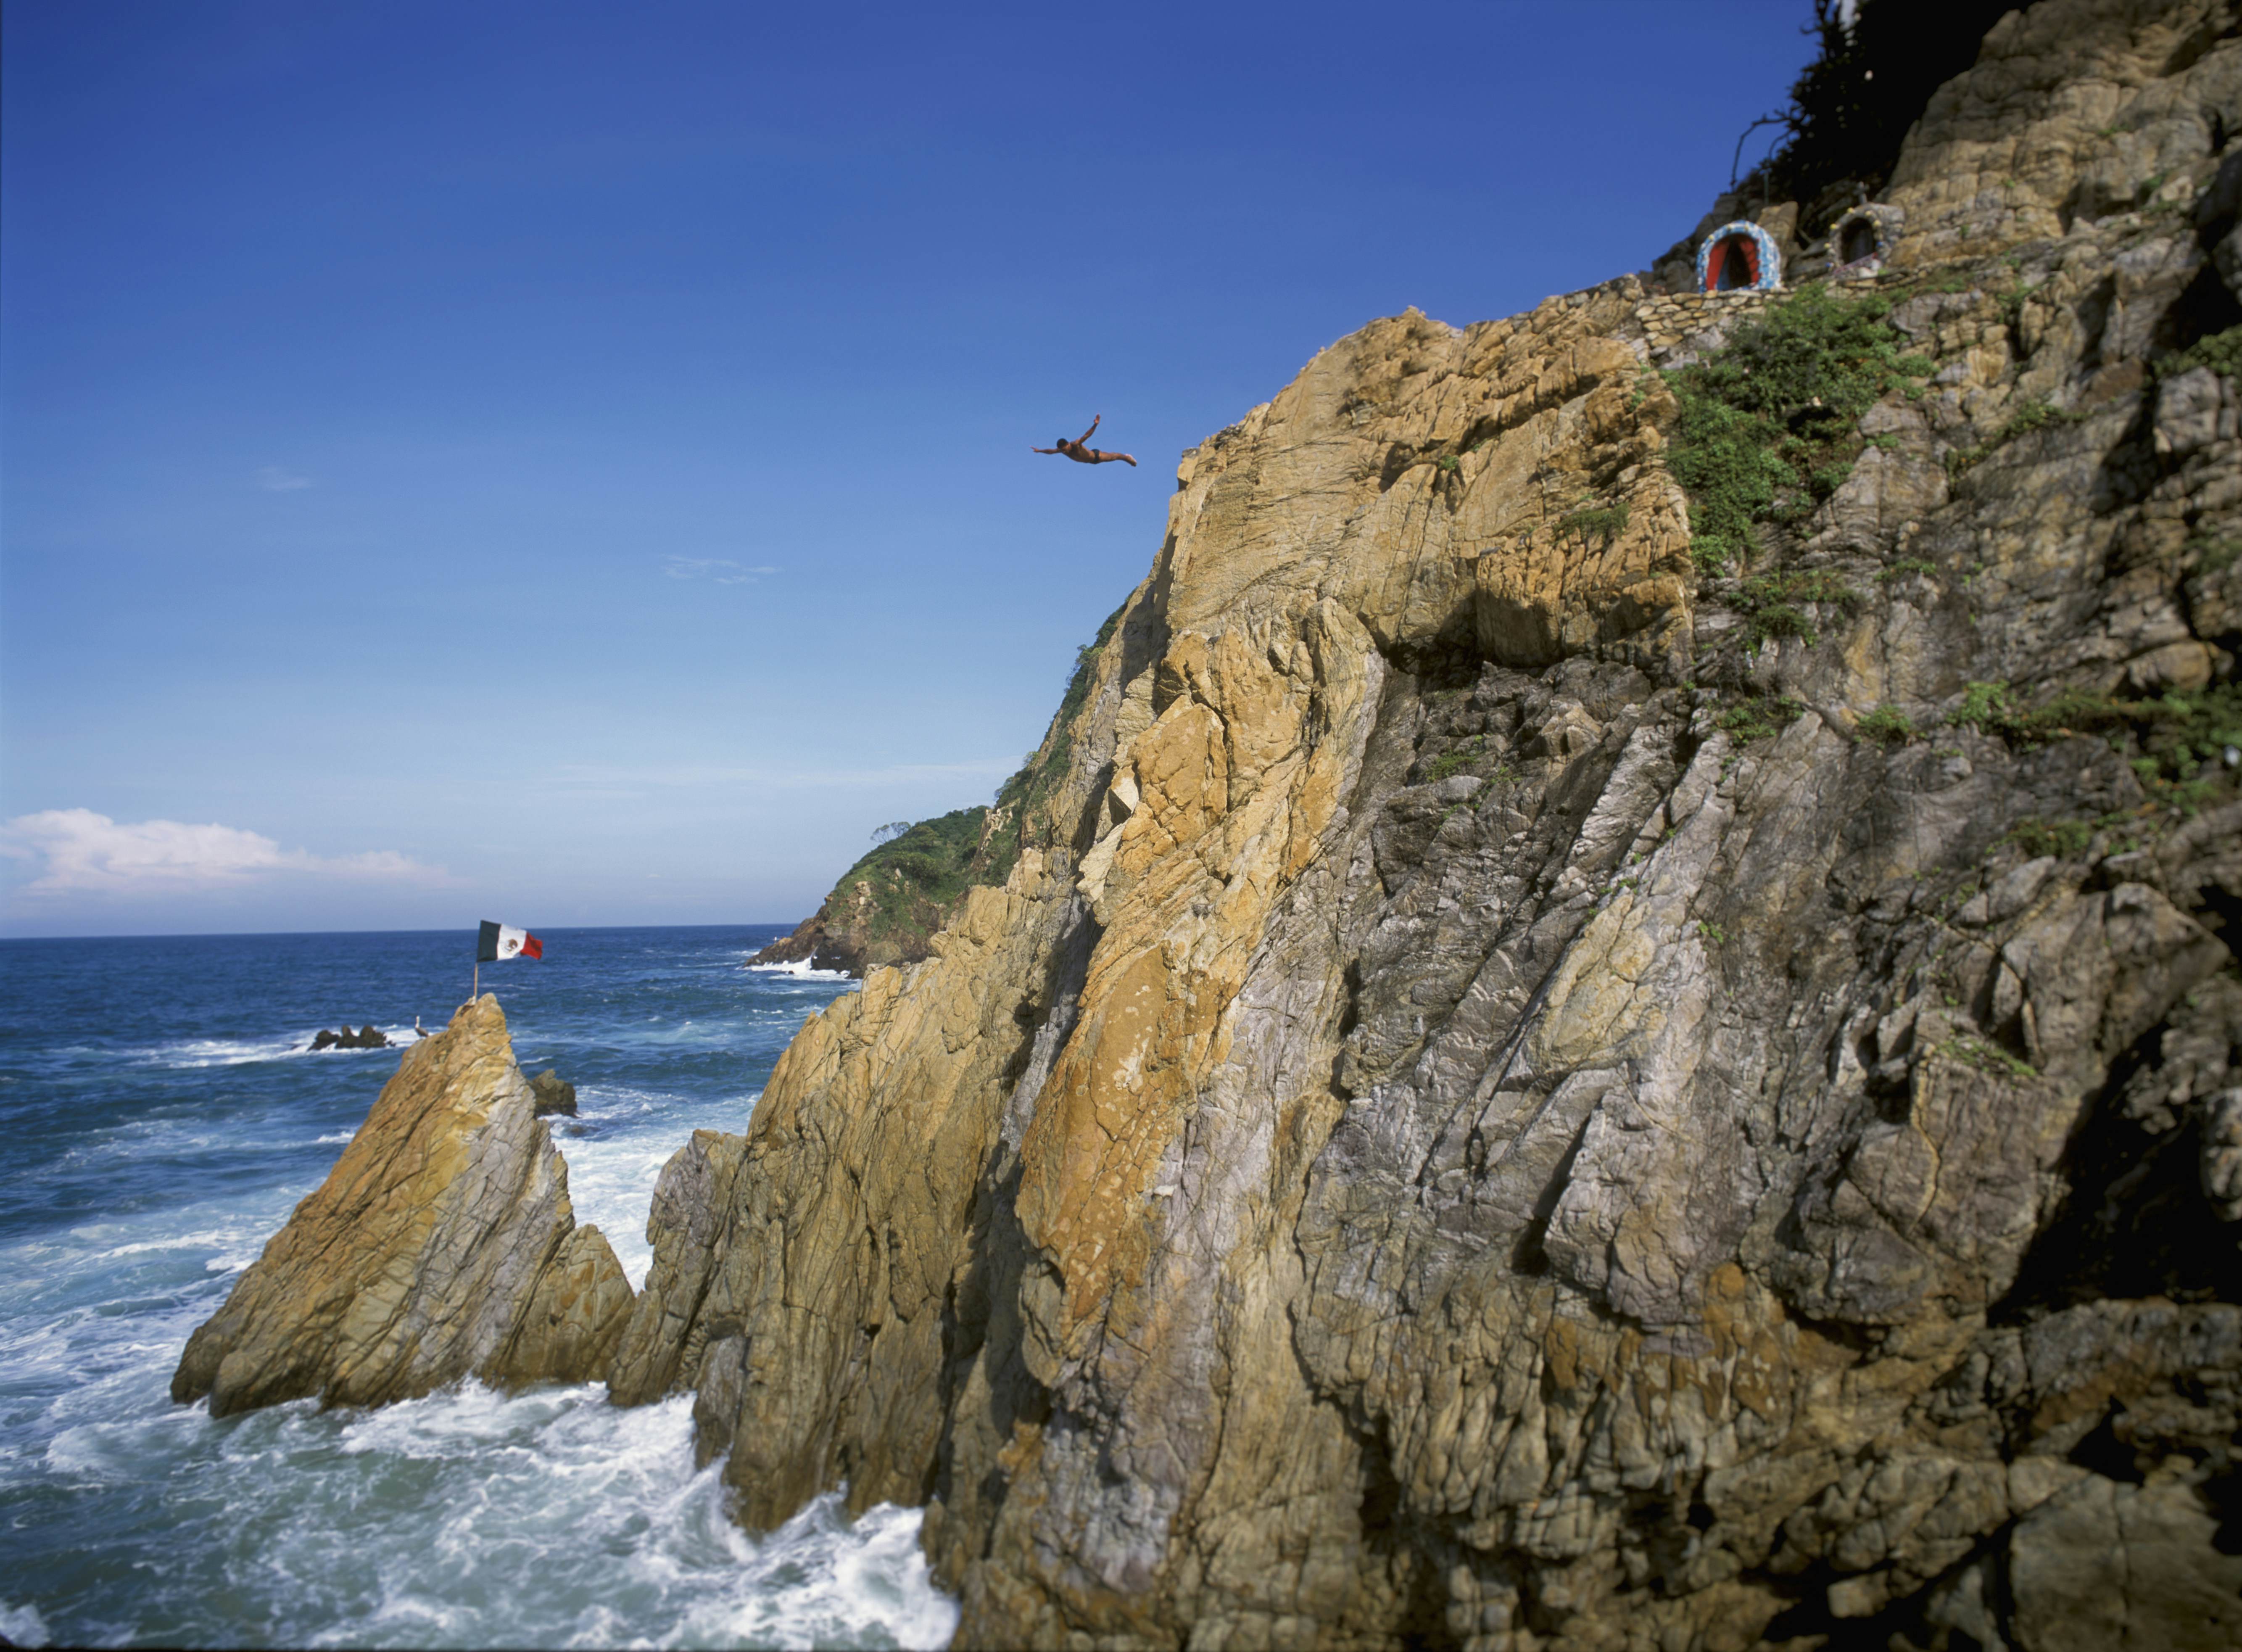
(1603, 524)
(1772, 602)
(2035, 837)
(1455, 760)
(2221, 352)
(1816, 359)
(1022, 800)
(1991, 707)
(1751, 720)
(2212, 554)
(2181, 731)
(2033, 415)
(1806, 585)
(909, 882)
(1986, 1056)
(1985, 707)
(1781, 620)
(2175, 734)
(1887, 725)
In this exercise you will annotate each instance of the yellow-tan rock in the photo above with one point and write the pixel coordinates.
(1500, 1113)
(441, 1245)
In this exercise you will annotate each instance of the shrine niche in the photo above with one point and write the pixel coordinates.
(1739, 258)
(1861, 241)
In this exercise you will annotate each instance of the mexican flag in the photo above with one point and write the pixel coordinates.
(500, 940)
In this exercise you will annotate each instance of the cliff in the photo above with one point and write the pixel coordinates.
(887, 907)
(1568, 1061)
(440, 1246)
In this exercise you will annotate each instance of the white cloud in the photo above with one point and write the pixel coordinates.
(273, 479)
(85, 851)
(721, 569)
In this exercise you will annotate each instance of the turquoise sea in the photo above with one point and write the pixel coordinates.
(161, 1116)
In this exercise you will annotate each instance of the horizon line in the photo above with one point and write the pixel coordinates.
(282, 934)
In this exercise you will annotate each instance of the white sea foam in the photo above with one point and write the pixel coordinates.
(818, 1582)
(801, 970)
(629, 1136)
(23, 1625)
(221, 1052)
(561, 1520)
(187, 1054)
(180, 1242)
(465, 1518)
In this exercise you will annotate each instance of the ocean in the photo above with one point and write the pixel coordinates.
(162, 1117)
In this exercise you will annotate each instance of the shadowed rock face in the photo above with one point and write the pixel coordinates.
(1476, 1135)
(553, 1094)
(441, 1245)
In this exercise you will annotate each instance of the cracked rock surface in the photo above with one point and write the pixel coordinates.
(1473, 1135)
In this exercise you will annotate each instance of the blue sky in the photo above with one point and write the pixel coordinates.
(569, 464)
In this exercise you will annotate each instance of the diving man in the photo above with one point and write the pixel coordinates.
(1083, 455)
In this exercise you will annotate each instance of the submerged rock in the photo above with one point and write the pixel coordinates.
(554, 1094)
(441, 1245)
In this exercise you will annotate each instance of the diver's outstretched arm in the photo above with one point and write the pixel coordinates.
(1084, 439)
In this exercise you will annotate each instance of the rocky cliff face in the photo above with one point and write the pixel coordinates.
(440, 1246)
(1558, 1081)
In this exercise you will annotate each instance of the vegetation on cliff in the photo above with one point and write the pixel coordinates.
(1022, 813)
(1767, 428)
(890, 902)
(887, 906)
(1851, 107)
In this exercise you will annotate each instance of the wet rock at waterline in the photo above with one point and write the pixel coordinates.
(554, 1094)
(687, 1225)
(367, 1037)
(441, 1245)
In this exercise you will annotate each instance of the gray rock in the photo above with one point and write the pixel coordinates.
(553, 1094)
(2104, 1566)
